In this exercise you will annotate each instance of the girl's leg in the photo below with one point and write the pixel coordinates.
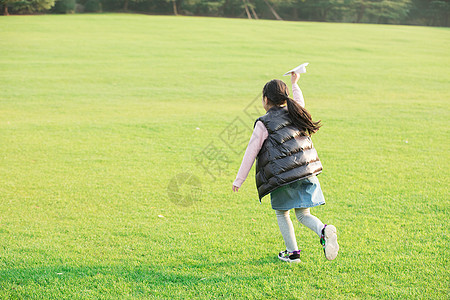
(287, 230)
(304, 216)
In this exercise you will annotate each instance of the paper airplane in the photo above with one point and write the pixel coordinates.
(299, 69)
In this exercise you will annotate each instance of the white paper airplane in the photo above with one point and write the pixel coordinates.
(299, 69)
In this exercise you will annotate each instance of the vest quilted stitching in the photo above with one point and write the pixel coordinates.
(286, 155)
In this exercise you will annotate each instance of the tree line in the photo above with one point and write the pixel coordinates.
(411, 12)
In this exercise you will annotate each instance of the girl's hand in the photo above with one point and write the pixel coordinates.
(235, 188)
(294, 77)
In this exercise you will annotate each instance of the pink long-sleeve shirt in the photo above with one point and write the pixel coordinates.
(258, 137)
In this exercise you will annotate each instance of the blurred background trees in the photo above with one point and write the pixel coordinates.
(413, 12)
(25, 6)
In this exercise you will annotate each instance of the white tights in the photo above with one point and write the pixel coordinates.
(287, 229)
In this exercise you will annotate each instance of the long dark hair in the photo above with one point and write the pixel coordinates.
(277, 93)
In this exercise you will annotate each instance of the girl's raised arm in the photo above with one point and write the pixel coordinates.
(297, 94)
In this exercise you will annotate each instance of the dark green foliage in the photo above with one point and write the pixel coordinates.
(92, 6)
(111, 5)
(155, 7)
(209, 8)
(438, 13)
(64, 7)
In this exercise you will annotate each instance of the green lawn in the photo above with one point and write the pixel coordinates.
(98, 113)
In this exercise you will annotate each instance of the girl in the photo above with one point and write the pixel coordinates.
(287, 165)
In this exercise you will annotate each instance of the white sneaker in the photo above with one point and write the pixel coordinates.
(293, 257)
(329, 242)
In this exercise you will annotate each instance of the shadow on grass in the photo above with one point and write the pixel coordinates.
(148, 274)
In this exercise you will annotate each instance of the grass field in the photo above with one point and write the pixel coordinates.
(98, 113)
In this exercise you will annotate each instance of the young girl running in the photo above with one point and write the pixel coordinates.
(287, 165)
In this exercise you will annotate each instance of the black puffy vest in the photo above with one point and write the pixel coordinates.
(286, 155)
